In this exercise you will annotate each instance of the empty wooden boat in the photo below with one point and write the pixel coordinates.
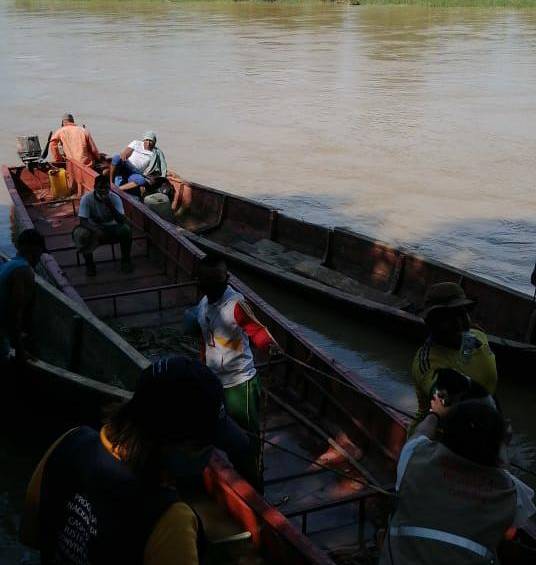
(384, 284)
(331, 445)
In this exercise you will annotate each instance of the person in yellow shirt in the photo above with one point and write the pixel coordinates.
(452, 344)
(104, 497)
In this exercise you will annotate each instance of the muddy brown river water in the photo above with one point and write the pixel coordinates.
(413, 125)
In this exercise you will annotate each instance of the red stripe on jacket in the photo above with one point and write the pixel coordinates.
(258, 334)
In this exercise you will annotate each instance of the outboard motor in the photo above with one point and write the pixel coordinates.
(29, 149)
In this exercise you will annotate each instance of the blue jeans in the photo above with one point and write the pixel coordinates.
(125, 172)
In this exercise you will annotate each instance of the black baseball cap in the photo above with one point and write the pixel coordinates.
(178, 400)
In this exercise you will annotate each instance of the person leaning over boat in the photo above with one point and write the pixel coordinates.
(452, 344)
(455, 503)
(138, 165)
(229, 437)
(17, 289)
(228, 326)
(102, 220)
(76, 143)
(105, 497)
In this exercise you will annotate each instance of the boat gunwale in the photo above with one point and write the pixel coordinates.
(361, 236)
(287, 326)
(266, 516)
(345, 297)
(223, 483)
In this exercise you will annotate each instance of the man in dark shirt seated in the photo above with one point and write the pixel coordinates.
(102, 220)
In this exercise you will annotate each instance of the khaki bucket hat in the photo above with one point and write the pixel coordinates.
(445, 295)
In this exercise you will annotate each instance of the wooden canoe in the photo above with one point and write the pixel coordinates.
(310, 418)
(384, 284)
(72, 338)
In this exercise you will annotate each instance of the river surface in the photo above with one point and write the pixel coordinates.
(413, 125)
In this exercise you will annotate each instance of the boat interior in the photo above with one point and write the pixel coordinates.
(329, 450)
(337, 260)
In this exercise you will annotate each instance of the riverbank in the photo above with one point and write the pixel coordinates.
(449, 3)
(148, 7)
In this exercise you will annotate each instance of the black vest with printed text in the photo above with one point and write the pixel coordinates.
(93, 509)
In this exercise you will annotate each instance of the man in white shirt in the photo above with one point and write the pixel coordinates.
(133, 168)
(102, 220)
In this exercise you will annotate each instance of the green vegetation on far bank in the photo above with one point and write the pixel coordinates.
(450, 3)
(152, 5)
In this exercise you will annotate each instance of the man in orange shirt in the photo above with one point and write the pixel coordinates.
(76, 143)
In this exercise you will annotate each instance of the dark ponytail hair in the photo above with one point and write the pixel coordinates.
(177, 402)
(136, 449)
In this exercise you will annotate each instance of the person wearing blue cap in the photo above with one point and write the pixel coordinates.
(138, 165)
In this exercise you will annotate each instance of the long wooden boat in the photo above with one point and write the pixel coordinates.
(79, 357)
(48, 392)
(331, 445)
(384, 284)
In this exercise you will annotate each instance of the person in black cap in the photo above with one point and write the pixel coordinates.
(452, 344)
(229, 436)
(99, 497)
(17, 288)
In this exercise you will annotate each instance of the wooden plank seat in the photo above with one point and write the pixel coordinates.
(73, 247)
(200, 225)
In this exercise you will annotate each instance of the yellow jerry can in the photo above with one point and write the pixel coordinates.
(58, 183)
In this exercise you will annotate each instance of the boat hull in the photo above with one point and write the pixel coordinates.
(377, 282)
(331, 397)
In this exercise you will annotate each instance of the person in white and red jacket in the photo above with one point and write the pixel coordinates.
(228, 328)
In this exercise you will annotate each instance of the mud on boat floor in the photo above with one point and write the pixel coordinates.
(155, 342)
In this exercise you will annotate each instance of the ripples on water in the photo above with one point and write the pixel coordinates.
(420, 120)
